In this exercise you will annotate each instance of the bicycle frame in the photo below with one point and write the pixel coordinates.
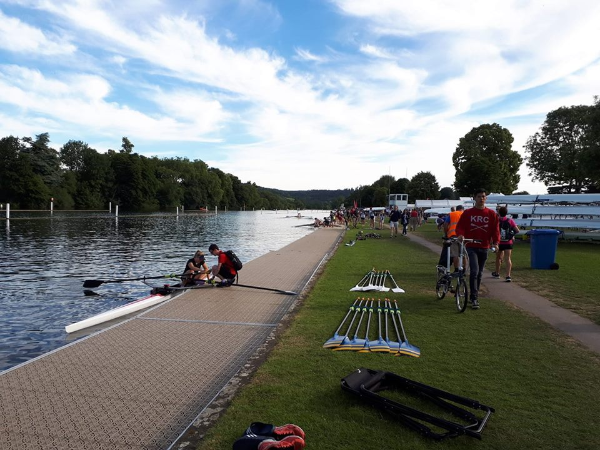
(446, 277)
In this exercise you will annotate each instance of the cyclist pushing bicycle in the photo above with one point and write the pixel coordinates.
(481, 224)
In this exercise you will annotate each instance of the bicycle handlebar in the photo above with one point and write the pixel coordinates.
(454, 239)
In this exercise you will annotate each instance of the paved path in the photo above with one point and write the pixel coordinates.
(582, 329)
(143, 382)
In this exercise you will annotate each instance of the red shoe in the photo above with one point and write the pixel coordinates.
(288, 430)
(289, 442)
(267, 429)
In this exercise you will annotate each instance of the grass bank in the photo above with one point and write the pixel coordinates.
(573, 286)
(543, 385)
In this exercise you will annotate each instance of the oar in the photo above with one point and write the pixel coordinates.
(96, 283)
(359, 285)
(382, 287)
(337, 338)
(279, 291)
(218, 285)
(406, 348)
(397, 289)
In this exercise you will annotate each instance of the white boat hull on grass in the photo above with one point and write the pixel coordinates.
(129, 308)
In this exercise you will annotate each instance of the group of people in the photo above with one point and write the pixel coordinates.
(196, 270)
(487, 228)
(409, 219)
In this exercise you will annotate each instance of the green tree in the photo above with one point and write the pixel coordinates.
(72, 153)
(447, 193)
(484, 159)
(423, 186)
(557, 153)
(400, 186)
(591, 155)
(44, 159)
(10, 151)
(385, 181)
(126, 145)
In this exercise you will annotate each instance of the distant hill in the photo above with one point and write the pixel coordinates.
(316, 198)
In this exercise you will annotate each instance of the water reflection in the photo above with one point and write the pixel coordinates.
(44, 260)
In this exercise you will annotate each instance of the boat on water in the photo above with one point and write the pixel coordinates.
(157, 295)
(146, 302)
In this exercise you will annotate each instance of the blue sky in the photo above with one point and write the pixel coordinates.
(295, 94)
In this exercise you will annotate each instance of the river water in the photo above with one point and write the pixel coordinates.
(45, 258)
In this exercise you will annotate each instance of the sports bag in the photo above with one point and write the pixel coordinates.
(506, 231)
(235, 261)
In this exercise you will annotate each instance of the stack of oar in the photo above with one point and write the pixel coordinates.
(349, 341)
(375, 280)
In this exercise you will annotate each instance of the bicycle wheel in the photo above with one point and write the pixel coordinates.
(461, 294)
(441, 287)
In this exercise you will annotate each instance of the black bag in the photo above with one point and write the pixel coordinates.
(235, 261)
(506, 231)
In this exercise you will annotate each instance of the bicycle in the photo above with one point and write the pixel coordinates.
(455, 282)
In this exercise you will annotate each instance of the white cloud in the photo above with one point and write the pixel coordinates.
(345, 121)
(79, 101)
(118, 60)
(305, 55)
(17, 36)
(373, 50)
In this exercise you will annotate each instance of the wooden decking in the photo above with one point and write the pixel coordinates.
(141, 384)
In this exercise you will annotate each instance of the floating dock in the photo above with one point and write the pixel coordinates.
(142, 383)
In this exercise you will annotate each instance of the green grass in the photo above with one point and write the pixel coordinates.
(543, 385)
(573, 286)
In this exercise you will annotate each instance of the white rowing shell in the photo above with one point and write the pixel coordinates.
(142, 303)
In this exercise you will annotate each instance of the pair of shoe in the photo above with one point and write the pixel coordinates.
(264, 436)
(289, 442)
(508, 279)
(495, 275)
(474, 304)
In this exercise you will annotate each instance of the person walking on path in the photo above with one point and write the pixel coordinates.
(508, 228)
(195, 270)
(450, 223)
(394, 217)
(224, 269)
(404, 218)
(479, 223)
(414, 219)
(381, 219)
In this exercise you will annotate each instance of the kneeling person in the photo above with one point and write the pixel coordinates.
(224, 269)
(195, 270)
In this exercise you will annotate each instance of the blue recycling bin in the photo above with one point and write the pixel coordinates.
(543, 248)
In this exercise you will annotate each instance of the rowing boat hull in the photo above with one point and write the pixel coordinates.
(121, 311)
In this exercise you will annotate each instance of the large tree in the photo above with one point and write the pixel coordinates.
(558, 153)
(423, 186)
(447, 193)
(484, 159)
(400, 186)
(592, 152)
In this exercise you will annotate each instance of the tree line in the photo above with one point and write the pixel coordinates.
(564, 154)
(79, 177)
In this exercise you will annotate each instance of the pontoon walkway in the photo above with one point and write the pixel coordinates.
(142, 383)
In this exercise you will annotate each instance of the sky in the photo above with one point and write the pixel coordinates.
(295, 94)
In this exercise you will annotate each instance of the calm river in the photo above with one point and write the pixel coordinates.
(45, 259)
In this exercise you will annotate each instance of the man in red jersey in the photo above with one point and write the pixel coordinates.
(478, 223)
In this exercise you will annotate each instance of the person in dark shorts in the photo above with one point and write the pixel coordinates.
(508, 228)
(195, 270)
(224, 268)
